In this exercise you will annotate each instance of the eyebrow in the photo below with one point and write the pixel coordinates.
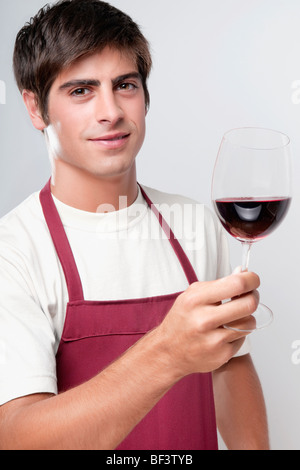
(97, 83)
(127, 76)
(79, 83)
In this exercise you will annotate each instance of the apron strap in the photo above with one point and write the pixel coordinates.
(66, 256)
(182, 257)
(61, 244)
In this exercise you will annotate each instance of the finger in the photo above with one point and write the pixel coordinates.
(246, 325)
(232, 334)
(225, 288)
(236, 346)
(231, 349)
(241, 307)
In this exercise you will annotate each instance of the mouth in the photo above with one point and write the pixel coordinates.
(112, 141)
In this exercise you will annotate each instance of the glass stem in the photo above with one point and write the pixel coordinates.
(246, 255)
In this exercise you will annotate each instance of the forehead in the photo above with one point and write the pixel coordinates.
(107, 64)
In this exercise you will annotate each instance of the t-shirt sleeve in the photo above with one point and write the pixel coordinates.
(27, 339)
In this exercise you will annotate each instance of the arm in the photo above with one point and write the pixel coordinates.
(100, 414)
(96, 415)
(240, 407)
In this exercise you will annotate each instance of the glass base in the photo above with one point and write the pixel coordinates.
(263, 317)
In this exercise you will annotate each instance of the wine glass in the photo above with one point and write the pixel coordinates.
(251, 190)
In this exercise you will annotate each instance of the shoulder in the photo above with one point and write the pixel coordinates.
(29, 207)
(21, 227)
(158, 197)
(190, 210)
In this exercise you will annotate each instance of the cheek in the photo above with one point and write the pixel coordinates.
(142, 133)
(63, 129)
(143, 127)
(140, 119)
(61, 138)
(62, 119)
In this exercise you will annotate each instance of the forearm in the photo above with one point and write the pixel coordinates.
(96, 415)
(240, 406)
(102, 412)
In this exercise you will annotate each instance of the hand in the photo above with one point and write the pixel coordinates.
(194, 335)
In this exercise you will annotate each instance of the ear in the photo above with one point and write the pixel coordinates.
(30, 101)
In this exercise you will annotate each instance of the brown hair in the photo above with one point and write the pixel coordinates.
(60, 34)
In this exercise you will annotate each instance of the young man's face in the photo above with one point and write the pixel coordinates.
(96, 111)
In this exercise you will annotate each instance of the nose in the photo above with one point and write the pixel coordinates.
(108, 108)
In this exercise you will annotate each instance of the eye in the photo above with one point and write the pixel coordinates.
(127, 86)
(80, 92)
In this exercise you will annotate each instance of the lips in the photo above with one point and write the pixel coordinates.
(112, 141)
(111, 138)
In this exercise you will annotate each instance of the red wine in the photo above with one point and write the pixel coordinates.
(250, 219)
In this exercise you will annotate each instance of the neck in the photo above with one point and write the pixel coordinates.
(92, 193)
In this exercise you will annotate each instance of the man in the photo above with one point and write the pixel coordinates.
(113, 327)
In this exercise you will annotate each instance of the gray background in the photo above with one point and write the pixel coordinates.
(218, 64)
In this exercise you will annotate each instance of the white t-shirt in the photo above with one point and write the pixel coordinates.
(119, 255)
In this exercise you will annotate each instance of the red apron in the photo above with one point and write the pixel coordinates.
(97, 332)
